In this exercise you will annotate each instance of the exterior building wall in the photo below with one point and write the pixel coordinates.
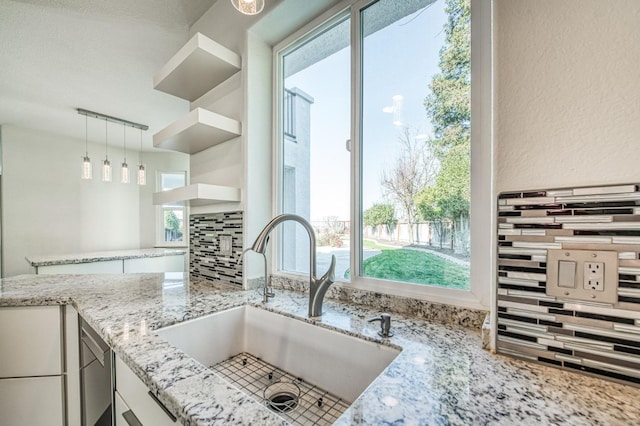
(296, 180)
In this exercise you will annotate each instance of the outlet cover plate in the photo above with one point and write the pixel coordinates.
(226, 245)
(608, 295)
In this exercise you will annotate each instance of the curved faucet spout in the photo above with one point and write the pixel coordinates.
(317, 286)
(260, 244)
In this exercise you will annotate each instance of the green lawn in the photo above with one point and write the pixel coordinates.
(414, 266)
(369, 244)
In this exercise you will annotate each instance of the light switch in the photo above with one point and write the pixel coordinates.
(567, 274)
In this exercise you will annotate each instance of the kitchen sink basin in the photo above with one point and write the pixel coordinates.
(341, 364)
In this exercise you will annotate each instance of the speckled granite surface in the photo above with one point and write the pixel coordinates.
(100, 256)
(436, 312)
(441, 377)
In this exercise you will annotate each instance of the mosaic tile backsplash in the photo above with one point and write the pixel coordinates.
(205, 258)
(598, 339)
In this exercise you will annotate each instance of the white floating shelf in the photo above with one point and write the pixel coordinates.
(199, 65)
(198, 130)
(198, 194)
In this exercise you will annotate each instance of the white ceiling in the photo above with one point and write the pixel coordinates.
(59, 55)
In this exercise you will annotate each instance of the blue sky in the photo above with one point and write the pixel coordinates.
(393, 67)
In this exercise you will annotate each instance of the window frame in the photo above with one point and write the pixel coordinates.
(482, 214)
(160, 210)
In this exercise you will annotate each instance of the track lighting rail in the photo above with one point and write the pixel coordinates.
(99, 116)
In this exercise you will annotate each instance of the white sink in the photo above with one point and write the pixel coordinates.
(341, 364)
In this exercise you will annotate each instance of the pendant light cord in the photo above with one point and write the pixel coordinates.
(106, 138)
(86, 138)
(124, 135)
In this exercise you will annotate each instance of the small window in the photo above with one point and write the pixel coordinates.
(172, 216)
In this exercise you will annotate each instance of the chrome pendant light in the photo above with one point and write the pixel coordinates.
(106, 165)
(125, 176)
(142, 173)
(87, 172)
(124, 172)
(248, 7)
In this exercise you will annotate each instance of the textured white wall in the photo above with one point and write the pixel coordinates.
(48, 209)
(567, 99)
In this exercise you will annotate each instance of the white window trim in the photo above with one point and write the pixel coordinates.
(159, 225)
(483, 220)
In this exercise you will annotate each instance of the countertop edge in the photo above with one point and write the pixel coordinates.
(71, 259)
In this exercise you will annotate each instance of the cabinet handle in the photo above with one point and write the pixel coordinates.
(131, 418)
(165, 409)
(93, 346)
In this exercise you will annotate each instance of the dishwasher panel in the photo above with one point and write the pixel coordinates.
(95, 378)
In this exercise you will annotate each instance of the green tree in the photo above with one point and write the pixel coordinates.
(172, 224)
(448, 103)
(448, 106)
(379, 214)
(453, 183)
(414, 169)
(430, 210)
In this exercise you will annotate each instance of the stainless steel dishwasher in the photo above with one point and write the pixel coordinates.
(96, 383)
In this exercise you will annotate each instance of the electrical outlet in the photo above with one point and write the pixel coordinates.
(225, 245)
(588, 275)
(594, 276)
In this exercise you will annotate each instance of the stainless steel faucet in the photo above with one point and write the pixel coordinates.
(317, 286)
(267, 291)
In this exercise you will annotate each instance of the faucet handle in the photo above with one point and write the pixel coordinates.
(385, 324)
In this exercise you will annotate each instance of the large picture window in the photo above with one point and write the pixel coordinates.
(375, 145)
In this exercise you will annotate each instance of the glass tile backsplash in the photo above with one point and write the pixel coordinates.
(206, 260)
(599, 339)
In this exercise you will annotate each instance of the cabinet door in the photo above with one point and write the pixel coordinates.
(31, 401)
(124, 416)
(136, 396)
(72, 354)
(31, 339)
(155, 264)
(105, 267)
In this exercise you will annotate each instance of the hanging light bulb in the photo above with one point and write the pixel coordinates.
(248, 7)
(87, 172)
(106, 165)
(142, 173)
(124, 173)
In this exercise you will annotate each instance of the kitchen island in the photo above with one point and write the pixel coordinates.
(441, 376)
(111, 261)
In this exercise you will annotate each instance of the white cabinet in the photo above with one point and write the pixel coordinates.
(31, 341)
(31, 366)
(123, 416)
(32, 401)
(102, 267)
(155, 264)
(169, 263)
(136, 398)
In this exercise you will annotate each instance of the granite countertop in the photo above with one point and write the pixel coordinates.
(100, 256)
(441, 377)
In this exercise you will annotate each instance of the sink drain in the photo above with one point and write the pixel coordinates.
(281, 397)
